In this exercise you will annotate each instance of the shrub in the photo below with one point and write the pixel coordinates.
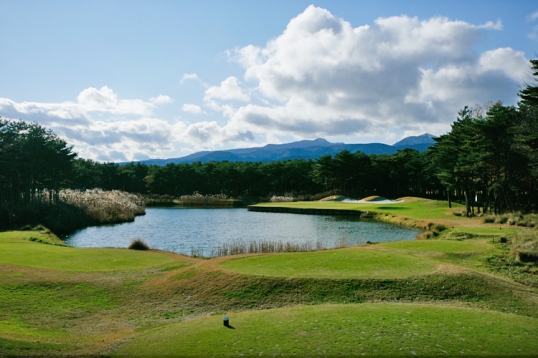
(426, 235)
(138, 244)
(525, 246)
(489, 219)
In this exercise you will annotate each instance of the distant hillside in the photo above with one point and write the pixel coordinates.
(416, 140)
(304, 149)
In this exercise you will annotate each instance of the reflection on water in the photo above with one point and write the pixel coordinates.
(183, 230)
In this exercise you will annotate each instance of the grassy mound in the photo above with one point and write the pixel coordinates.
(444, 246)
(345, 263)
(330, 330)
(23, 248)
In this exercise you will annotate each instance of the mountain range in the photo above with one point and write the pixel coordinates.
(304, 149)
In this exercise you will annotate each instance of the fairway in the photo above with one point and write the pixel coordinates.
(327, 330)
(15, 249)
(444, 246)
(343, 263)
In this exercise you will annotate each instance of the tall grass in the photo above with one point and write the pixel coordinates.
(280, 199)
(525, 246)
(76, 209)
(268, 246)
(105, 207)
(516, 219)
(197, 199)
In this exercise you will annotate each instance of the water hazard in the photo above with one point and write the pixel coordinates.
(188, 231)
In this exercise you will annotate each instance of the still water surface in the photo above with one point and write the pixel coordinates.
(181, 230)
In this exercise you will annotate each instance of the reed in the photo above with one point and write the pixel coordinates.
(269, 246)
(197, 199)
(525, 246)
(103, 206)
(280, 199)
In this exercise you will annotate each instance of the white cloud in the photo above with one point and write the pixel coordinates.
(161, 99)
(101, 125)
(490, 25)
(192, 108)
(188, 76)
(323, 77)
(228, 90)
(532, 17)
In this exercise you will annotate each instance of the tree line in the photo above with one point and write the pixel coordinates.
(488, 160)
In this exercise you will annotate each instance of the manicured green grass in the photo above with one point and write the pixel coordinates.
(16, 249)
(330, 330)
(421, 209)
(443, 246)
(343, 263)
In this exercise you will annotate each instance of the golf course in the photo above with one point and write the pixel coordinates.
(457, 290)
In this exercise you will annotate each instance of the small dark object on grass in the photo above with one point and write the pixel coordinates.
(226, 321)
(138, 244)
(503, 240)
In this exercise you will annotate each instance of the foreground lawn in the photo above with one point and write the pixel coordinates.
(337, 264)
(17, 249)
(374, 329)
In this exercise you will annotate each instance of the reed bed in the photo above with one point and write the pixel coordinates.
(268, 246)
(516, 219)
(525, 246)
(198, 199)
(278, 199)
(105, 206)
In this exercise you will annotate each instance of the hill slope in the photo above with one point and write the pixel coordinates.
(304, 149)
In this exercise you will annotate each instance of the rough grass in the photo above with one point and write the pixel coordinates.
(331, 330)
(17, 248)
(344, 263)
(444, 246)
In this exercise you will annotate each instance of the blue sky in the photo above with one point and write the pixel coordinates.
(131, 80)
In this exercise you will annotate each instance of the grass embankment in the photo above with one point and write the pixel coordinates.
(426, 297)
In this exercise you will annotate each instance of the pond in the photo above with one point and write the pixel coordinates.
(188, 231)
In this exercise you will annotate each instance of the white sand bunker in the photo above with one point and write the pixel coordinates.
(369, 200)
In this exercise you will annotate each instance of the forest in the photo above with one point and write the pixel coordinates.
(488, 160)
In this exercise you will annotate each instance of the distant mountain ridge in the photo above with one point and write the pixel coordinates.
(304, 149)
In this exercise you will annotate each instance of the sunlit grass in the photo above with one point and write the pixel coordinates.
(16, 249)
(416, 209)
(331, 330)
(343, 263)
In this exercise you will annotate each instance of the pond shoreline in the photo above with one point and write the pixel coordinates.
(310, 211)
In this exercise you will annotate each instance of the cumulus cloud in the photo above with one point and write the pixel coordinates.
(101, 125)
(324, 77)
(321, 77)
(228, 90)
(192, 108)
(161, 99)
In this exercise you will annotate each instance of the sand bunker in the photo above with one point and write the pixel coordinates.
(368, 200)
